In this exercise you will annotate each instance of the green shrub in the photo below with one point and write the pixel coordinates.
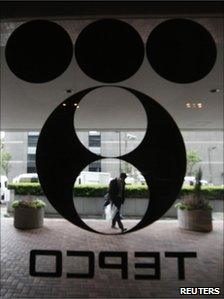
(90, 190)
(36, 203)
(208, 192)
(26, 188)
(191, 204)
(197, 200)
(135, 191)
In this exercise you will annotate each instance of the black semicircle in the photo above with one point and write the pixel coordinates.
(160, 157)
(60, 157)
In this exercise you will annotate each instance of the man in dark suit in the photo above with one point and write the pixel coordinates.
(116, 195)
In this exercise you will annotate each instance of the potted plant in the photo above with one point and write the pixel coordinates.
(194, 212)
(28, 214)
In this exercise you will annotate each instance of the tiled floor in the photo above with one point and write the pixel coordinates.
(58, 234)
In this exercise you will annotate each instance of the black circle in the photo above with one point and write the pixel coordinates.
(181, 50)
(109, 50)
(161, 158)
(39, 51)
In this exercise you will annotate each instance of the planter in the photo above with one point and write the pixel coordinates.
(196, 220)
(28, 218)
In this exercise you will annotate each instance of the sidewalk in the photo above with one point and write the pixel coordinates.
(58, 234)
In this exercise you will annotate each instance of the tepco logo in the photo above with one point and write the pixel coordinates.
(111, 51)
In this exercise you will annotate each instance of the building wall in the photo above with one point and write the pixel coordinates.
(209, 145)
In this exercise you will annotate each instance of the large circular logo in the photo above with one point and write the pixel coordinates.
(160, 157)
(110, 51)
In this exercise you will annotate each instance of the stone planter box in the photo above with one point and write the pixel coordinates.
(196, 220)
(93, 207)
(28, 218)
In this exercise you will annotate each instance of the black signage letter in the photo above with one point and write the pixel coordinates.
(180, 258)
(155, 265)
(58, 269)
(90, 256)
(123, 265)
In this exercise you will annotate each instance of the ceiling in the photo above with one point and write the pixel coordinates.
(26, 106)
(83, 8)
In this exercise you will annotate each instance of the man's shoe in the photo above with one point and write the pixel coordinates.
(113, 227)
(124, 230)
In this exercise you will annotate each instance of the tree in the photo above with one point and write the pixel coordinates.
(5, 158)
(127, 168)
(193, 158)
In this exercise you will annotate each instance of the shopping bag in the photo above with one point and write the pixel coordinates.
(110, 211)
(106, 200)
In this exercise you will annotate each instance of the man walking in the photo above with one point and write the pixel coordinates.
(116, 195)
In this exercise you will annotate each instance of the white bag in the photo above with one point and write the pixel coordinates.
(110, 211)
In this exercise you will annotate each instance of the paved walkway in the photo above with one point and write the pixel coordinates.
(58, 234)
